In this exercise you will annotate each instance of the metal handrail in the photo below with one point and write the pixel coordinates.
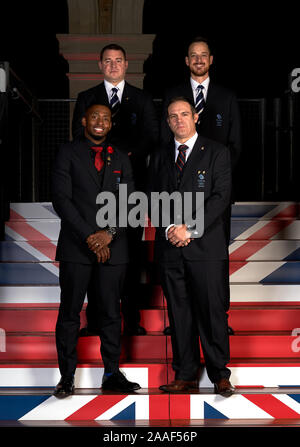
(16, 94)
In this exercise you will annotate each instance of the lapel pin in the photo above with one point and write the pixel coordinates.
(202, 148)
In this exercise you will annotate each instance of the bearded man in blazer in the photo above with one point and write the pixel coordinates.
(219, 119)
(135, 131)
(194, 270)
(219, 115)
(87, 251)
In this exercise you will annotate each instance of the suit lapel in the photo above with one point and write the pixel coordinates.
(106, 184)
(101, 95)
(188, 92)
(85, 156)
(126, 93)
(210, 99)
(170, 164)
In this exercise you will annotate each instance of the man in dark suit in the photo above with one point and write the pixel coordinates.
(86, 250)
(217, 107)
(135, 132)
(194, 270)
(219, 116)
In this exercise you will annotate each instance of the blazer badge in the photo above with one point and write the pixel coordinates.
(219, 120)
(201, 179)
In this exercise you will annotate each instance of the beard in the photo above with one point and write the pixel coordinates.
(201, 71)
(96, 136)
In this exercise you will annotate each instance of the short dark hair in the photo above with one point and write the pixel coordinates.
(184, 99)
(96, 104)
(199, 39)
(112, 46)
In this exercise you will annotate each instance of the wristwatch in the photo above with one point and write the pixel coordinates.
(192, 230)
(112, 231)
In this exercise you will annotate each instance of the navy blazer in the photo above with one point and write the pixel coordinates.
(211, 160)
(135, 128)
(220, 119)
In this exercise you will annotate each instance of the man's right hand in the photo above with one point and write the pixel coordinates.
(103, 254)
(179, 236)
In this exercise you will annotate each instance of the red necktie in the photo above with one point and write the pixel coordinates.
(98, 158)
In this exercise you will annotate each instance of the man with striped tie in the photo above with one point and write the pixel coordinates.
(217, 108)
(135, 132)
(193, 267)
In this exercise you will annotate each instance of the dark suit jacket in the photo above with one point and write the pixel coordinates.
(214, 159)
(135, 127)
(75, 186)
(220, 119)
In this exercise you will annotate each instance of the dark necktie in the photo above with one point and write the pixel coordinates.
(200, 102)
(114, 101)
(180, 161)
(98, 157)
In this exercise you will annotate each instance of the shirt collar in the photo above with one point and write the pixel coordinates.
(189, 143)
(109, 86)
(195, 84)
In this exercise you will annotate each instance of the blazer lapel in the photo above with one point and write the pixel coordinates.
(126, 97)
(101, 95)
(170, 165)
(87, 162)
(106, 184)
(188, 92)
(210, 99)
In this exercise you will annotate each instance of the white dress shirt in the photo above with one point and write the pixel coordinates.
(108, 87)
(190, 144)
(194, 85)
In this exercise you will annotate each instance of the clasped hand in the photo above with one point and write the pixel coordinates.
(98, 243)
(179, 236)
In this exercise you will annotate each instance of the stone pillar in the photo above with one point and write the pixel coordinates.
(127, 17)
(105, 16)
(90, 22)
(83, 16)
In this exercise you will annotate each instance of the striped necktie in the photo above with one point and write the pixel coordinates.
(114, 101)
(200, 102)
(180, 161)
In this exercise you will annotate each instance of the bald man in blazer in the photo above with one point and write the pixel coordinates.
(193, 266)
(219, 118)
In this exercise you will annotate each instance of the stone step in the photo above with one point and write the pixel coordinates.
(252, 294)
(288, 250)
(26, 347)
(252, 272)
(23, 318)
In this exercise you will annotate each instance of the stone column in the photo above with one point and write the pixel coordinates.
(105, 16)
(127, 16)
(83, 16)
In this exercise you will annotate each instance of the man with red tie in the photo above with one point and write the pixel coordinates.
(88, 253)
(135, 131)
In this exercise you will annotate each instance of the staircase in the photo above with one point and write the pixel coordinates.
(265, 315)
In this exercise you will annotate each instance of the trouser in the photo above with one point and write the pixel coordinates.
(130, 296)
(195, 293)
(108, 282)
